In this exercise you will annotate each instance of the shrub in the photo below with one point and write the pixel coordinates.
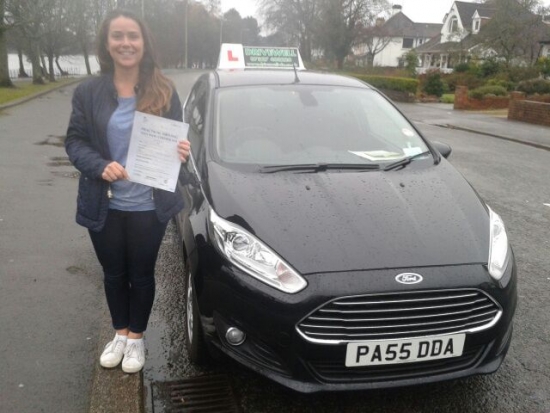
(530, 87)
(463, 79)
(410, 62)
(462, 67)
(517, 74)
(506, 84)
(489, 67)
(447, 98)
(433, 84)
(398, 84)
(543, 64)
(483, 91)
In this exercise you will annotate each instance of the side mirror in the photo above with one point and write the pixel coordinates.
(444, 149)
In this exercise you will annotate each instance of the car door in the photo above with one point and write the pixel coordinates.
(190, 181)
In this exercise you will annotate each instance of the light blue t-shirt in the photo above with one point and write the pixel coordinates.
(127, 196)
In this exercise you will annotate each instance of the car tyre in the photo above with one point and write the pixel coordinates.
(195, 343)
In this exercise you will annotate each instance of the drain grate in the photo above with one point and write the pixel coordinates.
(202, 394)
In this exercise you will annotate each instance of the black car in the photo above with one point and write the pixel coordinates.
(328, 245)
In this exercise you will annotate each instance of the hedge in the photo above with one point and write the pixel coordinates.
(399, 84)
(482, 91)
(531, 87)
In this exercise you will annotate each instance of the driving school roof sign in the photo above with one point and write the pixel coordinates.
(237, 56)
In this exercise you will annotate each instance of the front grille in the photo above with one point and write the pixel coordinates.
(337, 372)
(400, 315)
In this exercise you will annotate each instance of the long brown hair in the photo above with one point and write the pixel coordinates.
(154, 91)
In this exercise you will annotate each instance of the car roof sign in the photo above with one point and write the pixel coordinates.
(237, 56)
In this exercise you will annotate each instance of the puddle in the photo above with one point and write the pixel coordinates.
(45, 182)
(73, 174)
(74, 270)
(59, 161)
(53, 140)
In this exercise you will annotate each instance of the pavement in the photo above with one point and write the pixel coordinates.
(50, 289)
(488, 123)
(114, 391)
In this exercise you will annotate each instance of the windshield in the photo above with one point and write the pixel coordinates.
(310, 124)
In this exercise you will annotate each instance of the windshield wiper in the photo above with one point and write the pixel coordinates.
(404, 161)
(319, 167)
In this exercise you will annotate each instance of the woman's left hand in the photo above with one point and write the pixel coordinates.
(183, 150)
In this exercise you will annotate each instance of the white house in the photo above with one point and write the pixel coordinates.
(457, 37)
(401, 34)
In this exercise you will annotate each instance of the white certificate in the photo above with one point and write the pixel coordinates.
(153, 158)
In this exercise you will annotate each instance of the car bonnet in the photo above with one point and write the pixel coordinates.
(423, 215)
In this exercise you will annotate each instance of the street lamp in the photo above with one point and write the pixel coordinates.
(221, 23)
(185, 33)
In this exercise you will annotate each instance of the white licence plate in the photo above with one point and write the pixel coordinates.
(372, 353)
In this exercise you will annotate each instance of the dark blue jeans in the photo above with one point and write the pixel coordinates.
(127, 249)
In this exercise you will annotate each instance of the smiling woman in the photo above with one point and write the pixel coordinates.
(126, 220)
(125, 43)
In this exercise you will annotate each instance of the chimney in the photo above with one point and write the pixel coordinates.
(380, 21)
(396, 9)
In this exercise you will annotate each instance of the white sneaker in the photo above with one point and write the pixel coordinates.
(134, 357)
(113, 353)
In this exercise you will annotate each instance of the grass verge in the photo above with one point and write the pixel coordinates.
(448, 98)
(23, 89)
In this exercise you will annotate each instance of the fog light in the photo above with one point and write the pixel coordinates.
(234, 336)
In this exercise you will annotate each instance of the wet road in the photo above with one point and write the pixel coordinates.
(50, 285)
(513, 179)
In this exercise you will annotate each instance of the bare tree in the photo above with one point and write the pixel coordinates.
(342, 21)
(251, 31)
(514, 30)
(56, 35)
(375, 39)
(5, 80)
(232, 27)
(28, 17)
(297, 20)
(204, 36)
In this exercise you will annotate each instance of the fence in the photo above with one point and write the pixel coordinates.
(70, 71)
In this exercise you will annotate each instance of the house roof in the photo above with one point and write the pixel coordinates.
(467, 10)
(399, 25)
(434, 45)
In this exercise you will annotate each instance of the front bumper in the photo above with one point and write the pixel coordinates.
(230, 298)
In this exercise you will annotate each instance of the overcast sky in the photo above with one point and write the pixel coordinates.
(419, 11)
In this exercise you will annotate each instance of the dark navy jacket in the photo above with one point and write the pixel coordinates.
(94, 102)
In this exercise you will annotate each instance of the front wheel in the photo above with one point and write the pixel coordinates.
(195, 344)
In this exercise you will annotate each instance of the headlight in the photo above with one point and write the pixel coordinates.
(498, 249)
(253, 256)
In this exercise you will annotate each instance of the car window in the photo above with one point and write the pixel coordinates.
(195, 115)
(298, 124)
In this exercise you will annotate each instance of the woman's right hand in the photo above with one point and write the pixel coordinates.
(113, 172)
